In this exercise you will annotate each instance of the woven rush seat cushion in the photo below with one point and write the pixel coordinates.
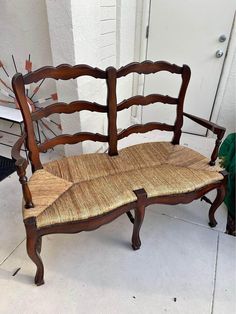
(80, 187)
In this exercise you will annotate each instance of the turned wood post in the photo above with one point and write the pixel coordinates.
(26, 191)
(214, 154)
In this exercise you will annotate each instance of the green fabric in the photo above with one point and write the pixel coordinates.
(227, 155)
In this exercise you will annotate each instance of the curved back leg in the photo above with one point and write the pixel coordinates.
(221, 191)
(138, 218)
(33, 245)
(39, 244)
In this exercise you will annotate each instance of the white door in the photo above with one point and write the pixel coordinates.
(195, 33)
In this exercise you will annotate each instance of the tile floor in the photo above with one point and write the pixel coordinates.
(182, 267)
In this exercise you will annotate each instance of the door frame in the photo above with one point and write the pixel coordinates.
(231, 49)
(141, 48)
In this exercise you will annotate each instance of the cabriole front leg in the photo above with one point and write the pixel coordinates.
(33, 245)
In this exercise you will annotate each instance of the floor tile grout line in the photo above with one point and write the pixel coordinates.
(190, 222)
(214, 283)
(4, 260)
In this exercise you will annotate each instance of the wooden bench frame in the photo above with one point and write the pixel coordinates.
(65, 72)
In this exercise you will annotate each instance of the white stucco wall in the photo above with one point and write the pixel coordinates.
(63, 51)
(94, 44)
(126, 19)
(99, 33)
(104, 36)
(24, 31)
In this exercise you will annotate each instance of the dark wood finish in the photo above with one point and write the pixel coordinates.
(143, 128)
(186, 73)
(221, 191)
(148, 67)
(216, 129)
(146, 100)
(130, 216)
(65, 72)
(39, 245)
(112, 111)
(31, 145)
(62, 107)
(16, 150)
(214, 154)
(21, 165)
(72, 139)
(33, 246)
(25, 188)
(139, 216)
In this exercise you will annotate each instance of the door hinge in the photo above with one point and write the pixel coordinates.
(147, 31)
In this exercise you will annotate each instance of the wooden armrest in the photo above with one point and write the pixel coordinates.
(213, 127)
(15, 153)
(21, 165)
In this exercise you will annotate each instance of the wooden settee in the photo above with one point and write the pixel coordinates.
(84, 192)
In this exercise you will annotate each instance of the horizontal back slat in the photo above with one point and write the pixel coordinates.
(146, 100)
(143, 128)
(62, 107)
(148, 67)
(63, 72)
(72, 139)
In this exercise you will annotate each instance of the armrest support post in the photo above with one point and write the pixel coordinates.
(216, 148)
(21, 165)
(25, 188)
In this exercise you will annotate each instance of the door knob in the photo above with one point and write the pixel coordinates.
(222, 38)
(219, 53)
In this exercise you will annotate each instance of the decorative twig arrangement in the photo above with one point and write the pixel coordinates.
(31, 95)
